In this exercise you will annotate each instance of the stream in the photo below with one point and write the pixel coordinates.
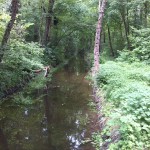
(60, 120)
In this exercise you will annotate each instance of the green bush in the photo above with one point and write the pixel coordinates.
(140, 41)
(19, 60)
(23, 55)
(127, 89)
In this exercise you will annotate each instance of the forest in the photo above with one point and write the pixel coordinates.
(54, 55)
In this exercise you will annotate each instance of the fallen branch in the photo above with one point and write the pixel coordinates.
(46, 69)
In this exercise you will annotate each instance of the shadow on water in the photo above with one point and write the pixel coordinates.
(3, 141)
(60, 120)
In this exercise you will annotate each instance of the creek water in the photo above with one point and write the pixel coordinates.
(60, 120)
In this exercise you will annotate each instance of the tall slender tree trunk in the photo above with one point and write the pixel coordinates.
(48, 22)
(110, 43)
(36, 32)
(128, 23)
(104, 37)
(146, 13)
(14, 9)
(126, 30)
(102, 5)
(141, 18)
(135, 17)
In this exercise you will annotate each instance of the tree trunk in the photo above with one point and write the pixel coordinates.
(135, 17)
(126, 30)
(121, 33)
(110, 43)
(128, 23)
(36, 32)
(14, 9)
(146, 13)
(102, 6)
(140, 18)
(48, 22)
(104, 37)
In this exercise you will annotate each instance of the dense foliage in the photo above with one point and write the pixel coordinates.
(52, 32)
(125, 81)
(127, 91)
(70, 34)
(141, 47)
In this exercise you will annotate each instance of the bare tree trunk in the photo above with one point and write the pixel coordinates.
(102, 5)
(48, 22)
(14, 9)
(110, 43)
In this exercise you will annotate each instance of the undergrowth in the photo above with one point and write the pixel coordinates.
(127, 98)
(19, 60)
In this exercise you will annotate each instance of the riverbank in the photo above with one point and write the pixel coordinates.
(29, 79)
(126, 105)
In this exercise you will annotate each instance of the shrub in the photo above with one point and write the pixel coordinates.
(140, 41)
(127, 89)
(19, 60)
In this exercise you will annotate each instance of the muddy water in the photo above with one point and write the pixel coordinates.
(59, 120)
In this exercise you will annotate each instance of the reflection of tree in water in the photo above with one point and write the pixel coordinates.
(55, 122)
(22, 127)
(3, 141)
(69, 119)
(77, 66)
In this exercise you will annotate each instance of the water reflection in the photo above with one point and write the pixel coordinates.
(67, 101)
(58, 121)
(3, 141)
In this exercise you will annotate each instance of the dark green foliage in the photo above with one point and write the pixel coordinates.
(18, 62)
(125, 82)
(127, 91)
(21, 55)
(141, 47)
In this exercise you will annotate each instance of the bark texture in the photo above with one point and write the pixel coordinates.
(14, 10)
(102, 5)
